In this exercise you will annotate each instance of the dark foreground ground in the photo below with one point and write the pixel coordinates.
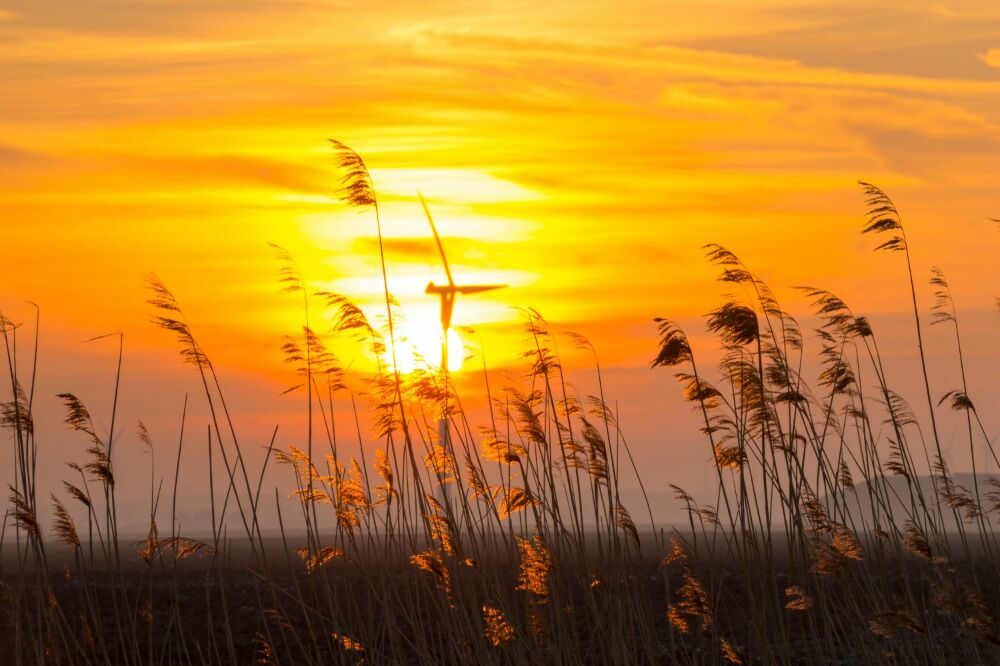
(697, 609)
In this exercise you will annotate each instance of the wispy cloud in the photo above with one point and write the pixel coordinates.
(11, 156)
(585, 152)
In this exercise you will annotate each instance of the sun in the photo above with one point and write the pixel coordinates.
(418, 347)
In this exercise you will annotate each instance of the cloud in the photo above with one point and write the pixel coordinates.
(131, 17)
(991, 57)
(208, 171)
(224, 169)
(871, 37)
(11, 156)
(926, 155)
(411, 249)
(624, 150)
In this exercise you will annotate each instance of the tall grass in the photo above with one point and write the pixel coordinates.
(821, 543)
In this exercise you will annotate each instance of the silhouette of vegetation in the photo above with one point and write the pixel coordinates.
(837, 533)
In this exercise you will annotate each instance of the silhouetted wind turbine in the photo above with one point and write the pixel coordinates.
(447, 294)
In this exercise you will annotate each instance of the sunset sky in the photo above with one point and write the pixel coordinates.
(581, 153)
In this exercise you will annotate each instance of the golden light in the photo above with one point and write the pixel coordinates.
(455, 186)
(418, 347)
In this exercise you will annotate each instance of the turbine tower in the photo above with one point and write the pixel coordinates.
(447, 294)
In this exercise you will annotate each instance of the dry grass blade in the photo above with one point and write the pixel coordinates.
(943, 309)
(497, 631)
(916, 542)
(535, 567)
(694, 605)
(731, 653)
(347, 643)
(674, 348)
(624, 522)
(64, 527)
(289, 275)
(959, 401)
(356, 183)
(348, 316)
(183, 547)
(24, 515)
(497, 449)
(514, 499)
(77, 494)
(798, 600)
(433, 563)
(16, 414)
(316, 559)
(737, 324)
(173, 321)
(441, 530)
(883, 218)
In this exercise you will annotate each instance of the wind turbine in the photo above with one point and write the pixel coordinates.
(447, 294)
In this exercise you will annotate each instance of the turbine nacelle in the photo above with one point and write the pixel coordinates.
(447, 294)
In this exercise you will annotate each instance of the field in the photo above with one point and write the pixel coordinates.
(837, 535)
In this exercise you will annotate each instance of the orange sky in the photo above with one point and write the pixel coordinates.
(581, 153)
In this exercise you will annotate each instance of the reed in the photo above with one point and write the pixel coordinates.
(836, 533)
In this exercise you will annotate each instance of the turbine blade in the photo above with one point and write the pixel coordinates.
(478, 288)
(439, 289)
(437, 239)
